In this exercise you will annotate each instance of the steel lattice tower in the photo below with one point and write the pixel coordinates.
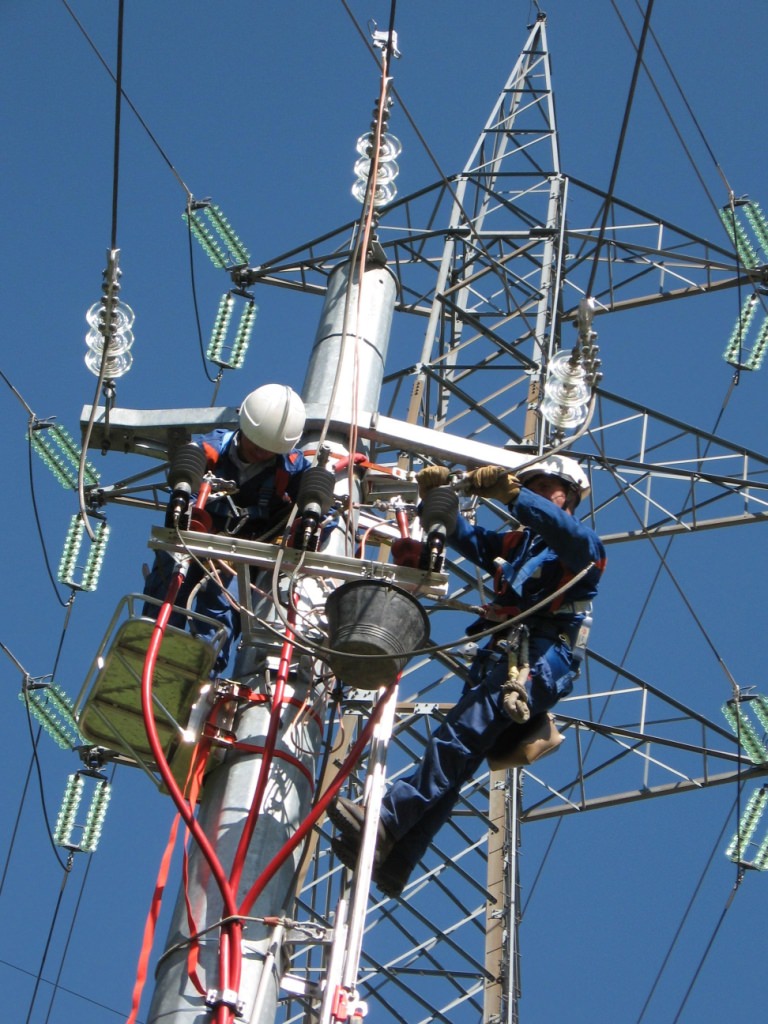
(492, 264)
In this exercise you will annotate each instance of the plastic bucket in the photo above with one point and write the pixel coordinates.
(373, 617)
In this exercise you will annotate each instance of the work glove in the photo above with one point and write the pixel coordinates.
(493, 482)
(432, 476)
(514, 699)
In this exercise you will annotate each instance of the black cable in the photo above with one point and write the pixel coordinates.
(51, 929)
(684, 918)
(69, 991)
(390, 33)
(111, 281)
(193, 282)
(707, 951)
(127, 99)
(44, 806)
(35, 741)
(688, 107)
(118, 110)
(18, 395)
(620, 147)
(668, 112)
(38, 524)
(56, 985)
(17, 822)
(737, 369)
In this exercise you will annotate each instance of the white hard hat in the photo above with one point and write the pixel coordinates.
(273, 417)
(560, 466)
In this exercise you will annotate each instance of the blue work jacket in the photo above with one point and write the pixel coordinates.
(265, 489)
(533, 562)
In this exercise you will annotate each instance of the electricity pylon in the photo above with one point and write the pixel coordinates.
(498, 261)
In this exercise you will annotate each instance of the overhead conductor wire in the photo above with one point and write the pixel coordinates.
(718, 167)
(212, 380)
(111, 271)
(620, 147)
(663, 563)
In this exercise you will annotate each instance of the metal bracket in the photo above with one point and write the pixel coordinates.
(310, 563)
(227, 997)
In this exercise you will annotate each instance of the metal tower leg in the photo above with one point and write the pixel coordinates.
(502, 954)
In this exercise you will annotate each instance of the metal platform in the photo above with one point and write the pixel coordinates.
(108, 708)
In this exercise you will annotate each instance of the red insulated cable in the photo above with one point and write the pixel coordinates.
(236, 957)
(268, 755)
(157, 751)
(232, 929)
(317, 811)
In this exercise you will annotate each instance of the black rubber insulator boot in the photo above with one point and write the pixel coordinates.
(316, 488)
(440, 507)
(188, 465)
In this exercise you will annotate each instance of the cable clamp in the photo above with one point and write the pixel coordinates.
(227, 997)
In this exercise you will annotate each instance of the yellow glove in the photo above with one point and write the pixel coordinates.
(432, 476)
(493, 482)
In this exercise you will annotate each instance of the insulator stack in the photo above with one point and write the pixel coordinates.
(71, 553)
(116, 335)
(243, 336)
(316, 490)
(187, 467)
(94, 823)
(760, 708)
(750, 819)
(315, 498)
(440, 509)
(61, 455)
(744, 249)
(220, 351)
(760, 860)
(65, 822)
(745, 733)
(738, 352)
(53, 710)
(214, 233)
(220, 327)
(566, 393)
(758, 223)
(384, 189)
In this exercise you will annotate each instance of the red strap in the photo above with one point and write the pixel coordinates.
(151, 922)
(194, 782)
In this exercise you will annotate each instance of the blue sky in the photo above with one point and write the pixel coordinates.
(258, 107)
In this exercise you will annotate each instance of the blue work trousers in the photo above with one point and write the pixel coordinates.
(210, 600)
(416, 807)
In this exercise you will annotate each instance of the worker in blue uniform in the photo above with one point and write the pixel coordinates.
(530, 565)
(261, 460)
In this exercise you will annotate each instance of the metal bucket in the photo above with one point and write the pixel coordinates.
(373, 617)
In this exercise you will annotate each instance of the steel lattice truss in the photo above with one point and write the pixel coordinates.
(492, 263)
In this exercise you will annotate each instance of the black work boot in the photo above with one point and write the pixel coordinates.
(349, 819)
(390, 876)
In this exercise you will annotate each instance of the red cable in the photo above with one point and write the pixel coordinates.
(232, 928)
(230, 940)
(317, 811)
(268, 755)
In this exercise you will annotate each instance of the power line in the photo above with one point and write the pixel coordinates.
(127, 99)
(684, 918)
(619, 148)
